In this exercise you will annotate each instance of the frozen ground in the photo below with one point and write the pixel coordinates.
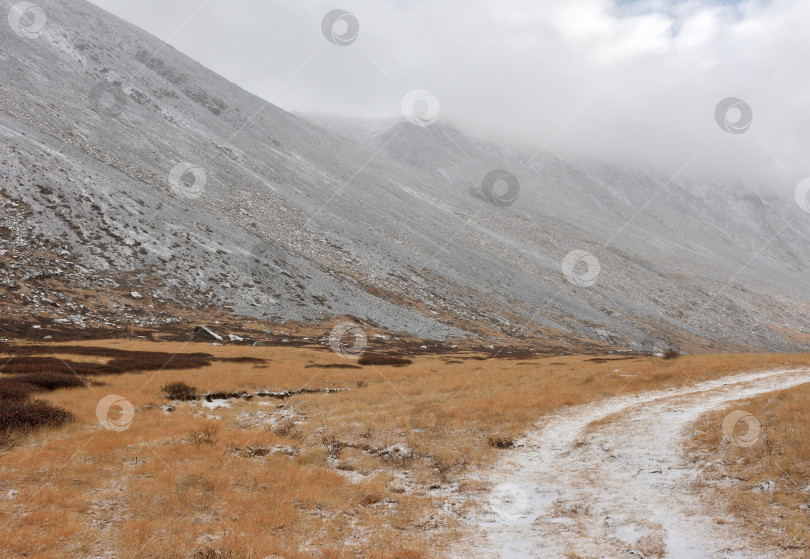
(589, 483)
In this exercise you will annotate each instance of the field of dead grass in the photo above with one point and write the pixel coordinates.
(763, 484)
(381, 469)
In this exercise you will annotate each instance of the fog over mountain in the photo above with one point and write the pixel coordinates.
(628, 82)
(142, 187)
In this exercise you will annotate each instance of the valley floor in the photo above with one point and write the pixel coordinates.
(298, 452)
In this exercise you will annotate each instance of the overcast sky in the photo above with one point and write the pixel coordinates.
(635, 82)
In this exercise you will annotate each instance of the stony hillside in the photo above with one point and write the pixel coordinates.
(140, 187)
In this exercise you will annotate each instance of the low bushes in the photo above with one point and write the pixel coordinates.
(28, 415)
(16, 391)
(50, 381)
(20, 415)
(207, 436)
(179, 391)
(29, 359)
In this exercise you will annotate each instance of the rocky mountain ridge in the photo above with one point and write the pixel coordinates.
(128, 167)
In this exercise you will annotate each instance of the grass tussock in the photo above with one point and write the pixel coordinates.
(28, 415)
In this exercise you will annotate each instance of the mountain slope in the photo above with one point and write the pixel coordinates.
(289, 220)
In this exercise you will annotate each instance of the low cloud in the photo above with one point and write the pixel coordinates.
(634, 83)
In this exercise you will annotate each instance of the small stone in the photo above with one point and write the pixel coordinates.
(204, 333)
(136, 295)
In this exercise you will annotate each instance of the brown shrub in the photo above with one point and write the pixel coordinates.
(500, 441)
(50, 381)
(333, 446)
(17, 391)
(368, 499)
(30, 415)
(179, 391)
(288, 430)
(208, 435)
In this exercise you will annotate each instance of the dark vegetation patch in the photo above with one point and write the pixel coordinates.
(182, 391)
(49, 381)
(284, 394)
(25, 416)
(378, 359)
(29, 372)
(19, 415)
(22, 416)
(28, 360)
(97, 351)
(147, 362)
(16, 391)
(222, 395)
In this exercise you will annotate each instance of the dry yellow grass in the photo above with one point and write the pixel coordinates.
(737, 476)
(374, 471)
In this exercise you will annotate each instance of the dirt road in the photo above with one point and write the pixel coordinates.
(608, 480)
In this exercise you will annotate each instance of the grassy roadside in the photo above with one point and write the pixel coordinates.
(758, 470)
(374, 470)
